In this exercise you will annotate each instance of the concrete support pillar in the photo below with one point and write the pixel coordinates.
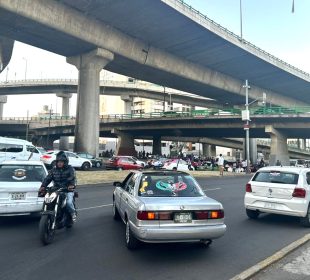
(170, 106)
(87, 113)
(303, 144)
(127, 103)
(157, 145)
(3, 100)
(6, 49)
(253, 150)
(125, 144)
(278, 148)
(208, 150)
(47, 142)
(64, 140)
(298, 143)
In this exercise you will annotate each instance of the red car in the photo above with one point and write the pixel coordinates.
(123, 163)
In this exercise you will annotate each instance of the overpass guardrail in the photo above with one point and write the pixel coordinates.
(177, 114)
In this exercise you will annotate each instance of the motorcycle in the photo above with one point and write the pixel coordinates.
(54, 215)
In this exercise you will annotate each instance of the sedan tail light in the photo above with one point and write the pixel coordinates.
(206, 215)
(248, 187)
(197, 215)
(299, 192)
(150, 215)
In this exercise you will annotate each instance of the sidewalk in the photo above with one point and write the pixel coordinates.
(295, 266)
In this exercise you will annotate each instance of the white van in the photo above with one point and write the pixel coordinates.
(17, 149)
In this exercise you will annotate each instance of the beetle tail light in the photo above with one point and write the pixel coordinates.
(248, 187)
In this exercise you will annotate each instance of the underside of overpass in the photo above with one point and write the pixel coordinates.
(160, 41)
(163, 42)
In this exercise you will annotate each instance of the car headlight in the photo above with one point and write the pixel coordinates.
(49, 198)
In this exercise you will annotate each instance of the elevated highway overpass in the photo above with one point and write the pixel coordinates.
(107, 87)
(279, 125)
(161, 41)
(16, 127)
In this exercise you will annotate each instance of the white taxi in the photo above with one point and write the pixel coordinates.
(279, 190)
(19, 185)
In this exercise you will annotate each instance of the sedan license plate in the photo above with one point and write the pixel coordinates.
(183, 218)
(18, 196)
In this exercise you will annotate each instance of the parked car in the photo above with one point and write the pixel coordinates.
(17, 149)
(49, 159)
(177, 164)
(161, 207)
(96, 162)
(279, 190)
(19, 185)
(124, 163)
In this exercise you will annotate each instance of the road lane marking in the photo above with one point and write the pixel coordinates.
(93, 207)
(212, 189)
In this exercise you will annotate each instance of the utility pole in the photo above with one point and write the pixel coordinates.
(246, 117)
(27, 127)
(241, 35)
(7, 73)
(48, 129)
(26, 67)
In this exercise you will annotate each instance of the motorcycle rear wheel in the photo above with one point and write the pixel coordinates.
(45, 229)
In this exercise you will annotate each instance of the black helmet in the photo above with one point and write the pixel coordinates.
(61, 156)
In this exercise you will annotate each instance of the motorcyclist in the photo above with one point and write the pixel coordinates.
(62, 174)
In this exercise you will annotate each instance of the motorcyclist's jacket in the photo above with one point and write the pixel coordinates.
(62, 177)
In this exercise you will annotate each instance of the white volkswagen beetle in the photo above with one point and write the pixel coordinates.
(19, 185)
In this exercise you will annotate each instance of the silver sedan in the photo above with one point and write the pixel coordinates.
(166, 206)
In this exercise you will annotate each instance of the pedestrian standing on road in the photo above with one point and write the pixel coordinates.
(220, 163)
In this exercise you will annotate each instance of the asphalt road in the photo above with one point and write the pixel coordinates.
(95, 249)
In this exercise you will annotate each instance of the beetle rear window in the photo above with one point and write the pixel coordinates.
(276, 177)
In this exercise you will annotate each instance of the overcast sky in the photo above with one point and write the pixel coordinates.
(268, 24)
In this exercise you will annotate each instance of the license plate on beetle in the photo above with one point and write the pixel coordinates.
(183, 218)
(18, 196)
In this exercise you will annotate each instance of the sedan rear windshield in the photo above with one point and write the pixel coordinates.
(161, 185)
(276, 177)
(22, 173)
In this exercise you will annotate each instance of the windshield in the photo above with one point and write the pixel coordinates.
(22, 173)
(276, 177)
(162, 185)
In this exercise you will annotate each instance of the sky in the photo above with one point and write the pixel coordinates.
(270, 25)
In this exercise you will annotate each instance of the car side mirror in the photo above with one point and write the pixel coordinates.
(117, 184)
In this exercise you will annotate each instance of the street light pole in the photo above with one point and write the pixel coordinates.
(48, 129)
(26, 66)
(27, 127)
(164, 104)
(7, 73)
(241, 35)
(247, 126)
